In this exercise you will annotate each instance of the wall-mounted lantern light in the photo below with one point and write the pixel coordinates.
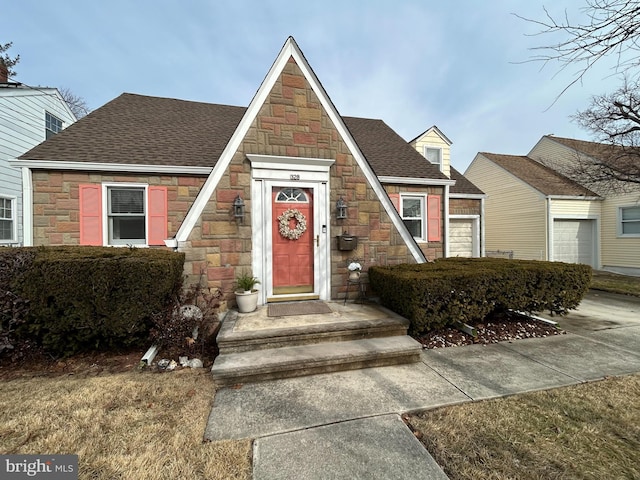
(238, 209)
(341, 208)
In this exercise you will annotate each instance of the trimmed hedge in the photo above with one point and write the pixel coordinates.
(86, 298)
(433, 295)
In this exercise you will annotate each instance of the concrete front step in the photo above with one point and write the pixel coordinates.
(284, 362)
(232, 341)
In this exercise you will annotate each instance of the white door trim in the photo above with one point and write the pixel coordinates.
(268, 172)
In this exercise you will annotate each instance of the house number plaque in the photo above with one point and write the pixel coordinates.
(294, 176)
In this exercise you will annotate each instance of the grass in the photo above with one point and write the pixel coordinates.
(134, 425)
(614, 283)
(587, 431)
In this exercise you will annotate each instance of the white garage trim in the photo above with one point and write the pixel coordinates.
(475, 231)
(594, 260)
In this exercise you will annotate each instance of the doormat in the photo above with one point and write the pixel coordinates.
(297, 308)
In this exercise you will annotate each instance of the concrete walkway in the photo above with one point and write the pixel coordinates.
(347, 424)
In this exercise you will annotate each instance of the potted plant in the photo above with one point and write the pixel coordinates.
(246, 295)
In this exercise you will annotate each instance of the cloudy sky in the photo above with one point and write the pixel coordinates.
(461, 65)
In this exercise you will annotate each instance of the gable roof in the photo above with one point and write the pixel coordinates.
(544, 179)
(593, 149)
(435, 129)
(463, 185)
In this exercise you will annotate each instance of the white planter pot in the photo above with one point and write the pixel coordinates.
(247, 301)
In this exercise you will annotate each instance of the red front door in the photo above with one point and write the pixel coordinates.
(293, 241)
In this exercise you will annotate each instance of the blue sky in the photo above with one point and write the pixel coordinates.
(414, 63)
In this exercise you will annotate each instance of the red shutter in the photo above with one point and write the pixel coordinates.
(433, 218)
(157, 215)
(395, 199)
(90, 214)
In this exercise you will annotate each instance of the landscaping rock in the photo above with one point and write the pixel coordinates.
(195, 363)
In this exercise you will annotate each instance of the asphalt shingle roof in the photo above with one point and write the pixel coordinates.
(542, 178)
(136, 129)
(143, 130)
(387, 152)
(463, 184)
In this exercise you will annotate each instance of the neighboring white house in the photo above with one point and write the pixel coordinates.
(28, 116)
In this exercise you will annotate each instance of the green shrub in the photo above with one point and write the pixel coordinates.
(433, 295)
(86, 298)
(14, 262)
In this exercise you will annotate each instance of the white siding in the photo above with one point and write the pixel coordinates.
(515, 214)
(618, 252)
(22, 127)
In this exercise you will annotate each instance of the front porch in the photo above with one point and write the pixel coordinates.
(255, 347)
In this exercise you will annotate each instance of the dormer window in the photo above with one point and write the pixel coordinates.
(52, 125)
(434, 155)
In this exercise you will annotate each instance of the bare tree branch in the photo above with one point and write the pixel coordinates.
(77, 104)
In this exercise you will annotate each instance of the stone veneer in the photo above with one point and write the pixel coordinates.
(292, 123)
(431, 250)
(56, 207)
(464, 206)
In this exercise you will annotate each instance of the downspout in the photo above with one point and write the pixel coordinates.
(482, 249)
(548, 230)
(445, 237)
(27, 207)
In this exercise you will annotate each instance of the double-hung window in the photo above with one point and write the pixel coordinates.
(126, 215)
(412, 212)
(629, 221)
(123, 214)
(7, 220)
(421, 215)
(52, 125)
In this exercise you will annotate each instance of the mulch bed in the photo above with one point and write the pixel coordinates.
(505, 327)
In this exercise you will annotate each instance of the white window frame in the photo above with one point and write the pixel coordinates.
(106, 224)
(622, 222)
(440, 153)
(50, 132)
(423, 213)
(14, 220)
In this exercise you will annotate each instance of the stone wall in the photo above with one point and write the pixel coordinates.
(56, 205)
(464, 206)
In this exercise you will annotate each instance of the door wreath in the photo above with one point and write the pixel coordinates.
(288, 232)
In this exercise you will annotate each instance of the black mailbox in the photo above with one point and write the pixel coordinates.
(347, 242)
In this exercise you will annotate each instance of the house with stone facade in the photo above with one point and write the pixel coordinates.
(286, 188)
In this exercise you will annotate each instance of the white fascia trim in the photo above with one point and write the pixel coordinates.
(110, 167)
(273, 162)
(574, 197)
(416, 181)
(468, 196)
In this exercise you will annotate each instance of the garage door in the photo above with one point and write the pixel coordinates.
(573, 241)
(461, 237)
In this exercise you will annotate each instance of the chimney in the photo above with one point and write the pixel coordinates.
(4, 72)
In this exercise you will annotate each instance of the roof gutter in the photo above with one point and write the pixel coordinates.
(109, 167)
(416, 181)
